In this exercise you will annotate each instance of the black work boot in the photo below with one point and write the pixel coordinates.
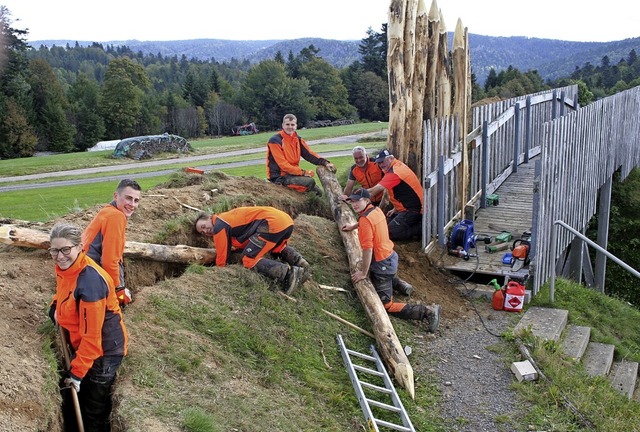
(293, 257)
(272, 269)
(433, 317)
(411, 312)
(295, 278)
(401, 286)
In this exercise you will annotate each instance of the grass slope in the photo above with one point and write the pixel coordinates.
(217, 349)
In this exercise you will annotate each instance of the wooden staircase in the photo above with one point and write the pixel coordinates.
(597, 358)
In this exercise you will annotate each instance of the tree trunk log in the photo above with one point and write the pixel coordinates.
(443, 94)
(433, 32)
(418, 82)
(389, 346)
(398, 93)
(462, 102)
(26, 237)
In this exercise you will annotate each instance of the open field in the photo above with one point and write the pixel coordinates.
(46, 203)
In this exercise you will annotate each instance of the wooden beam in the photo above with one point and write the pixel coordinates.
(27, 237)
(389, 345)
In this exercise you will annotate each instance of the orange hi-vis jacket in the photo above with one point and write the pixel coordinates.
(87, 307)
(374, 234)
(104, 239)
(367, 176)
(233, 228)
(403, 186)
(284, 153)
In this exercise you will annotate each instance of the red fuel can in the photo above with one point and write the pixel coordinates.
(514, 297)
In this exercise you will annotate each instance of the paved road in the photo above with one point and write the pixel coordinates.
(259, 152)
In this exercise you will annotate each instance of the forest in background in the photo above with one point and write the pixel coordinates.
(66, 99)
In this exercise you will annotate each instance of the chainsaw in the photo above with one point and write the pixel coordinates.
(520, 251)
(463, 238)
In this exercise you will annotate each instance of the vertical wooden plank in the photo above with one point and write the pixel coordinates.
(441, 201)
(603, 234)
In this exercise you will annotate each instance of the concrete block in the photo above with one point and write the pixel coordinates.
(623, 377)
(576, 339)
(545, 323)
(598, 358)
(524, 371)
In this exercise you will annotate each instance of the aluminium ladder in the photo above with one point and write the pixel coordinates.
(388, 391)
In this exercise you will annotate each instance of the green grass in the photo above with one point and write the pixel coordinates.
(320, 148)
(217, 349)
(598, 404)
(69, 161)
(234, 355)
(196, 420)
(43, 204)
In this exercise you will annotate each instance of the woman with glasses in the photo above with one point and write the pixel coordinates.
(85, 305)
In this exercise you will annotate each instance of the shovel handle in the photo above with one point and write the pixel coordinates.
(64, 343)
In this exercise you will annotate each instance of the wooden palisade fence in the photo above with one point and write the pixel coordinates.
(502, 133)
(579, 150)
(579, 156)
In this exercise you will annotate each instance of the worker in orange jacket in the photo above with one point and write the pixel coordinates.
(284, 151)
(405, 193)
(380, 261)
(256, 231)
(85, 305)
(366, 172)
(105, 236)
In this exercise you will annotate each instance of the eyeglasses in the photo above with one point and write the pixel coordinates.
(65, 251)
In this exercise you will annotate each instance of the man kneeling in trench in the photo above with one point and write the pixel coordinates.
(381, 262)
(256, 231)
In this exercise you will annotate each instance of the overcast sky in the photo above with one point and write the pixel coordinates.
(87, 20)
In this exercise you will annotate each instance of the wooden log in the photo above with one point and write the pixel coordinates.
(165, 253)
(444, 73)
(26, 237)
(433, 28)
(389, 346)
(398, 93)
(461, 104)
(418, 82)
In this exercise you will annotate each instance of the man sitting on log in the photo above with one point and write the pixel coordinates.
(366, 172)
(256, 231)
(284, 150)
(105, 237)
(381, 262)
(405, 193)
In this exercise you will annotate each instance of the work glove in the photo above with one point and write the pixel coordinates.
(309, 173)
(124, 296)
(52, 312)
(72, 382)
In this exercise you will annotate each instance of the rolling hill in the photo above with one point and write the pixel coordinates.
(550, 57)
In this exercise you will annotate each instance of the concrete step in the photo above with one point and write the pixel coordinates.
(545, 323)
(623, 377)
(575, 340)
(598, 358)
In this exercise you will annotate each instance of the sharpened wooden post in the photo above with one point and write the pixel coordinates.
(389, 346)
